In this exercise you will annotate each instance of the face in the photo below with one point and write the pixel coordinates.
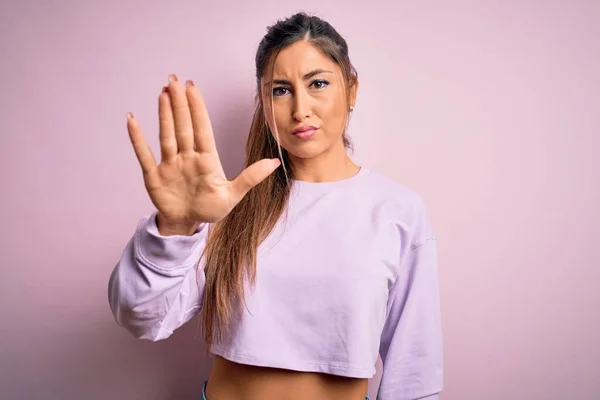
(309, 92)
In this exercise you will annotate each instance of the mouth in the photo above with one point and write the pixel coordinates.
(305, 132)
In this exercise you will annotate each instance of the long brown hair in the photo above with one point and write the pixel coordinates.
(231, 250)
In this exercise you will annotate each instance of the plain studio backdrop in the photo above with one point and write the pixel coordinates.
(489, 109)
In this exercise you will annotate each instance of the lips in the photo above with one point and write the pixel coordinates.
(303, 129)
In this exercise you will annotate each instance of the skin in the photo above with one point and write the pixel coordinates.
(231, 381)
(319, 101)
(189, 187)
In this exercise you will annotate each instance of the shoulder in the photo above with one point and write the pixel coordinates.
(399, 204)
(383, 186)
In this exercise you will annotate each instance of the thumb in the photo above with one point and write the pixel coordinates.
(253, 175)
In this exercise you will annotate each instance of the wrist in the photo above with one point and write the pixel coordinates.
(171, 228)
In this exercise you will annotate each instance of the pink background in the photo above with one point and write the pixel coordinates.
(490, 109)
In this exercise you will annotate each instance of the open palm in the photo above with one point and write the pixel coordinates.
(189, 185)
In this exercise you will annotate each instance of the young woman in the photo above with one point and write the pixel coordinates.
(306, 267)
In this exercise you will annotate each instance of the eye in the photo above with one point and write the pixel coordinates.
(279, 91)
(320, 83)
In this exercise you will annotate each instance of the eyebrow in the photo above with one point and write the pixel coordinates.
(305, 77)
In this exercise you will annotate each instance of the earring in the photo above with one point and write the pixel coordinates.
(351, 108)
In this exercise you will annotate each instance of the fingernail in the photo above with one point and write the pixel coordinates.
(165, 89)
(129, 115)
(172, 78)
(189, 83)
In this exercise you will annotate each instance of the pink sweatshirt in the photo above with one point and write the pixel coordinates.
(349, 273)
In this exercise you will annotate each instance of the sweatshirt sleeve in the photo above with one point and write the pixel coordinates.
(155, 287)
(411, 341)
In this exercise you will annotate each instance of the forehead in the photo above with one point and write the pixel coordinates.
(300, 58)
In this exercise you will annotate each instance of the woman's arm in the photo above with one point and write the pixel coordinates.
(411, 341)
(155, 287)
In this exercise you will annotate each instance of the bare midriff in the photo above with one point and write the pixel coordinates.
(232, 381)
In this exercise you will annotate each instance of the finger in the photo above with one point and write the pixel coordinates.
(253, 175)
(184, 131)
(203, 133)
(166, 135)
(140, 147)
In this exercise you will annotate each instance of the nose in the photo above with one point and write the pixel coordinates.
(302, 109)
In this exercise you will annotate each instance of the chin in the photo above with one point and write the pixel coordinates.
(305, 150)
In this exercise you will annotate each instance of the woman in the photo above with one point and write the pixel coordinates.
(305, 267)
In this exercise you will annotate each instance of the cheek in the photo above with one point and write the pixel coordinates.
(331, 104)
(336, 109)
(269, 119)
(333, 114)
(282, 113)
(278, 110)
(281, 121)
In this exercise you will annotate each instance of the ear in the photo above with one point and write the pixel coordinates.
(353, 93)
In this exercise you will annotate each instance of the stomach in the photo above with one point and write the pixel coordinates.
(233, 381)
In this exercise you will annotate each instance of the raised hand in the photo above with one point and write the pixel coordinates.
(189, 186)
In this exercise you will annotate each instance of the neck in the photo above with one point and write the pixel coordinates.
(332, 165)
